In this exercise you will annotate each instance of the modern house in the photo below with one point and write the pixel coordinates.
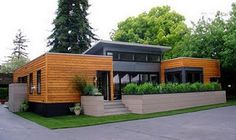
(109, 65)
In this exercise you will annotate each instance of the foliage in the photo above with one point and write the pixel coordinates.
(72, 32)
(3, 93)
(148, 88)
(131, 89)
(160, 26)
(84, 120)
(211, 38)
(19, 57)
(80, 83)
(76, 107)
(90, 90)
(24, 106)
(20, 45)
(12, 64)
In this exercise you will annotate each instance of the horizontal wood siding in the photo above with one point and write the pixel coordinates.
(62, 68)
(32, 67)
(211, 67)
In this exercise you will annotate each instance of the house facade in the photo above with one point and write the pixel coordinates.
(109, 66)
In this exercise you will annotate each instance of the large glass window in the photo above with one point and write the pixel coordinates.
(39, 81)
(126, 56)
(140, 57)
(115, 55)
(154, 58)
(173, 77)
(31, 90)
(194, 76)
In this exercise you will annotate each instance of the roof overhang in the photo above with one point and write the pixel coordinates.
(101, 43)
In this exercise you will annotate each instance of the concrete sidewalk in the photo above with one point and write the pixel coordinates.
(215, 124)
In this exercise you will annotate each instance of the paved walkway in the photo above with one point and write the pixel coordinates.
(215, 124)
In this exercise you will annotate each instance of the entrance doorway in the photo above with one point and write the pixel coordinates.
(103, 84)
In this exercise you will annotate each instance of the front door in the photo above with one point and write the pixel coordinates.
(103, 84)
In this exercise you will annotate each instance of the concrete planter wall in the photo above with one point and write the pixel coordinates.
(93, 105)
(142, 104)
(17, 94)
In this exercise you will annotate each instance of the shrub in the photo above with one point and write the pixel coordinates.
(24, 106)
(3, 93)
(146, 88)
(131, 89)
(212, 86)
(88, 89)
(80, 83)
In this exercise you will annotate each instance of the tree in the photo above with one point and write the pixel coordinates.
(20, 45)
(19, 57)
(211, 38)
(72, 32)
(12, 64)
(160, 26)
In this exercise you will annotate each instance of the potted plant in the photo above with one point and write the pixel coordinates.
(76, 109)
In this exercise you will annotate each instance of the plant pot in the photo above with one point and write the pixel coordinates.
(77, 112)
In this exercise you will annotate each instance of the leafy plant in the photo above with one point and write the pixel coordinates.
(88, 89)
(80, 83)
(76, 107)
(148, 88)
(24, 106)
(131, 89)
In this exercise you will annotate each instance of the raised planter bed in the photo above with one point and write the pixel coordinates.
(93, 105)
(142, 104)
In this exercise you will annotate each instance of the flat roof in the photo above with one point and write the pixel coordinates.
(191, 58)
(101, 43)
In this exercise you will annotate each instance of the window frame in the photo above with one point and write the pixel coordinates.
(31, 83)
(39, 83)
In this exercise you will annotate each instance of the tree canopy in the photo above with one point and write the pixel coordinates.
(211, 38)
(19, 57)
(160, 26)
(72, 32)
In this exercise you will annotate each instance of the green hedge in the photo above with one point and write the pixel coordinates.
(3, 93)
(149, 88)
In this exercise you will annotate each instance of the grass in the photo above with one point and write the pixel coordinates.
(83, 120)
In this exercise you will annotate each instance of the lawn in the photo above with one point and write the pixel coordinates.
(83, 120)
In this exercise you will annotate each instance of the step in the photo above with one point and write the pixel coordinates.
(112, 102)
(117, 113)
(115, 110)
(114, 106)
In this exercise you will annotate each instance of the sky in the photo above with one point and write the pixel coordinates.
(34, 18)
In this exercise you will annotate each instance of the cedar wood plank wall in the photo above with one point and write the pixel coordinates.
(58, 71)
(211, 67)
(32, 67)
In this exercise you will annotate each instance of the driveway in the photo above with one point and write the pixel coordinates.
(215, 124)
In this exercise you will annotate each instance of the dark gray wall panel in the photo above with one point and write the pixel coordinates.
(136, 66)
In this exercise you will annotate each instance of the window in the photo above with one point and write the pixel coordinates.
(39, 81)
(31, 90)
(173, 77)
(126, 56)
(154, 58)
(140, 57)
(194, 76)
(114, 55)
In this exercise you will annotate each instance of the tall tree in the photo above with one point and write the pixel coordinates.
(72, 32)
(20, 45)
(160, 26)
(19, 57)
